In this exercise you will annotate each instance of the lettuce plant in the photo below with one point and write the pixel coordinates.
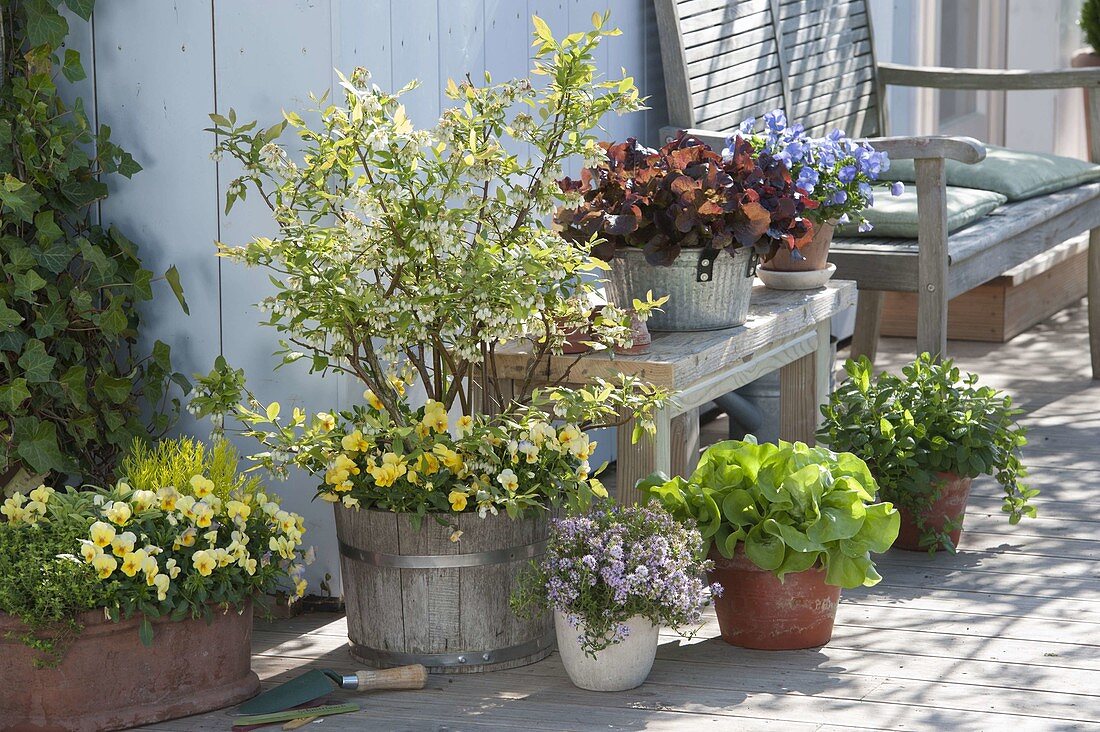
(684, 195)
(792, 506)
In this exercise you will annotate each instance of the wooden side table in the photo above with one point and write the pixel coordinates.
(788, 331)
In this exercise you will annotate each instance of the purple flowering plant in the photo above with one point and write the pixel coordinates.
(603, 568)
(835, 171)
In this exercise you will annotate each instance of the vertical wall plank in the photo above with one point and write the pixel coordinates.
(260, 74)
(155, 89)
(361, 37)
(416, 47)
(627, 52)
(461, 44)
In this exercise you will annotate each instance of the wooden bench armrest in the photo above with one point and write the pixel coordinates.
(941, 77)
(964, 149)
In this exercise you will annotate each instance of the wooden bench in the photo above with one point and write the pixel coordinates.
(788, 331)
(725, 61)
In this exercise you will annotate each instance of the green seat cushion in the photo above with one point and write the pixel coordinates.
(1012, 173)
(896, 216)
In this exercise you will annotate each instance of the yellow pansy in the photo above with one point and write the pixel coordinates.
(508, 480)
(89, 550)
(201, 485)
(281, 546)
(435, 416)
(427, 464)
(355, 442)
(422, 430)
(187, 538)
(325, 421)
(530, 450)
(393, 467)
(204, 515)
(222, 557)
(119, 513)
(204, 562)
(172, 568)
(233, 509)
(14, 511)
(345, 463)
(398, 385)
(250, 566)
(458, 500)
(104, 565)
(41, 494)
(123, 543)
(150, 568)
(373, 400)
(186, 506)
(143, 500)
(464, 425)
(168, 497)
(330, 497)
(161, 583)
(102, 534)
(541, 432)
(132, 562)
(300, 587)
(350, 502)
(451, 459)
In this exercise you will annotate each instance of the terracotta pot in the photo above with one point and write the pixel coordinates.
(642, 337)
(756, 610)
(816, 253)
(951, 504)
(108, 680)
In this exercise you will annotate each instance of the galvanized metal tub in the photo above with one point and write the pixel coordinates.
(704, 293)
(414, 596)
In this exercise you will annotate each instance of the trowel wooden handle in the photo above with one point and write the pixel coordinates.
(402, 677)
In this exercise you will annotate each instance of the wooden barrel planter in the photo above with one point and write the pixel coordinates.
(414, 596)
(108, 680)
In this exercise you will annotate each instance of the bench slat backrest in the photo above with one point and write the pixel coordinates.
(726, 60)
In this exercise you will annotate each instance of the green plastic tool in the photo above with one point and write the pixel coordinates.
(288, 715)
(320, 682)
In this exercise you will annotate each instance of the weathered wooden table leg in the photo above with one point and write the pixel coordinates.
(803, 386)
(637, 460)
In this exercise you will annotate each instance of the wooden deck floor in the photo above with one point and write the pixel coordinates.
(1003, 636)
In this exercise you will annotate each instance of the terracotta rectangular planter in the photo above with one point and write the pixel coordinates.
(107, 680)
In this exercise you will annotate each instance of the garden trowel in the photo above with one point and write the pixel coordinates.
(319, 682)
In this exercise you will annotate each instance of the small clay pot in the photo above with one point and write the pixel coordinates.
(108, 680)
(757, 610)
(815, 254)
(951, 504)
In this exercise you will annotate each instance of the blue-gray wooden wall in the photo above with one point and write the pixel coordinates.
(156, 69)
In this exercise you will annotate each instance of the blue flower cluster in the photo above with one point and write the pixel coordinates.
(602, 568)
(835, 172)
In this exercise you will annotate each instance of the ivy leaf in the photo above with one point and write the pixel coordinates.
(26, 284)
(45, 26)
(75, 382)
(37, 365)
(14, 394)
(21, 198)
(172, 275)
(8, 318)
(72, 69)
(82, 8)
(46, 228)
(38, 446)
(116, 389)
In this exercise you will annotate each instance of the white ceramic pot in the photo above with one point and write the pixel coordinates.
(618, 667)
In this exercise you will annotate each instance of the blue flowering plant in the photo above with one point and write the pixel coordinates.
(605, 567)
(836, 173)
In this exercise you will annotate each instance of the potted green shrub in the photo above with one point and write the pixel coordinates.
(787, 527)
(683, 221)
(925, 434)
(150, 580)
(403, 258)
(613, 577)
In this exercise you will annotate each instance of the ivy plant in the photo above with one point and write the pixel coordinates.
(791, 506)
(931, 419)
(73, 384)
